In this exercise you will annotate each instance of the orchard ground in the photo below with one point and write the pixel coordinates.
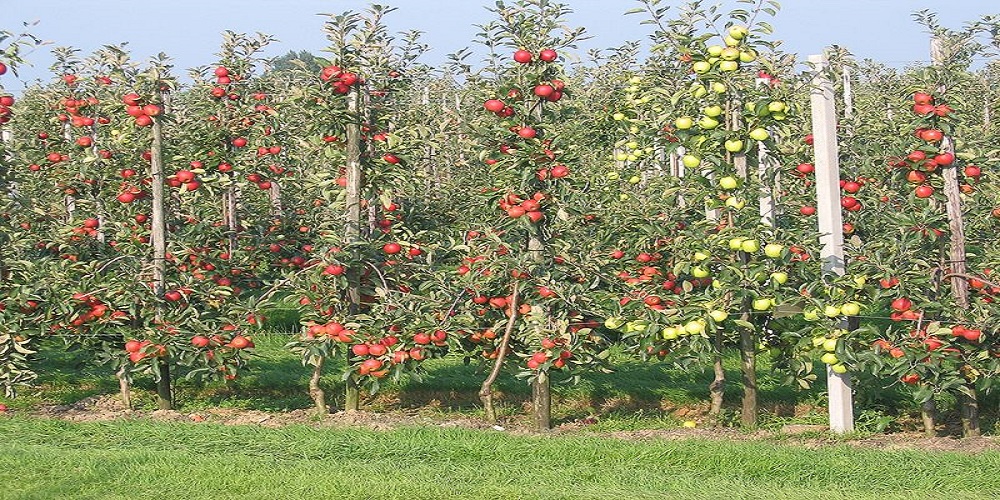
(640, 397)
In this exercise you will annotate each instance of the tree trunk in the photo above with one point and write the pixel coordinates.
(541, 402)
(124, 389)
(969, 406)
(164, 393)
(928, 414)
(352, 395)
(315, 391)
(748, 368)
(486, 391)
(718, 385)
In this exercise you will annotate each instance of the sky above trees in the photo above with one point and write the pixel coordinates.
(189, 31)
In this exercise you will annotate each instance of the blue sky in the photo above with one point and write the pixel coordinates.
(189, 30)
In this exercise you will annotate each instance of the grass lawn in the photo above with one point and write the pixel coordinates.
(48, 459)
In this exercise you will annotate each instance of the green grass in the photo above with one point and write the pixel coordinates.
(47, 459)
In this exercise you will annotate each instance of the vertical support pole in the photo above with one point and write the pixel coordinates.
(824, 126)
(158, 235)
(352, 231)
(848, 91)
(967, 399)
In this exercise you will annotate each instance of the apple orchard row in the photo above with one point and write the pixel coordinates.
(552, 212)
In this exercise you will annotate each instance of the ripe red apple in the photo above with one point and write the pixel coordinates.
(494, 105)
(923, 191)
(360, 349)
(922, 98)
(548, 55)
(527, 132)
(522, 56)
(901, 304)
(391, 248)
(931, 135)
(200, 341)
(543, 91)
(240, 342)
(133, 346)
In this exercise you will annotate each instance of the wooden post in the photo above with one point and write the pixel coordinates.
(825, 149)
(164, 395)
(967, 399)
(541, 391)
(848, 93)
(352, 231)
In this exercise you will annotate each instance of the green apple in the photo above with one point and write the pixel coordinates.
(635, 179)
(851, 309)
(860, 281)
(779, 116)
(728, 182)
(829, 358)
(690, 161)
(839, 368)
(669, 333)
(810, 314)
(830, 345)
(729, 65)
(736, 243)
(761, 304)
(747, 56)
(779, 277)
(831, 311)
(612, 176)
(684, 123)
(700, 256)
(718, 315)
(818, 341)
(773, 250)
(699, 90)
(618, 116)
(715, 50)
(708, 123)
(759, 134)
(730, 54)
(719, 87)
(712, 111)
(750, 246)
(734, 202)
(695, 327)
(614, 322)
(701, 67)
(777, 107)
(699, 272)
(730, 41)
(738, 32)
(734, 145)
